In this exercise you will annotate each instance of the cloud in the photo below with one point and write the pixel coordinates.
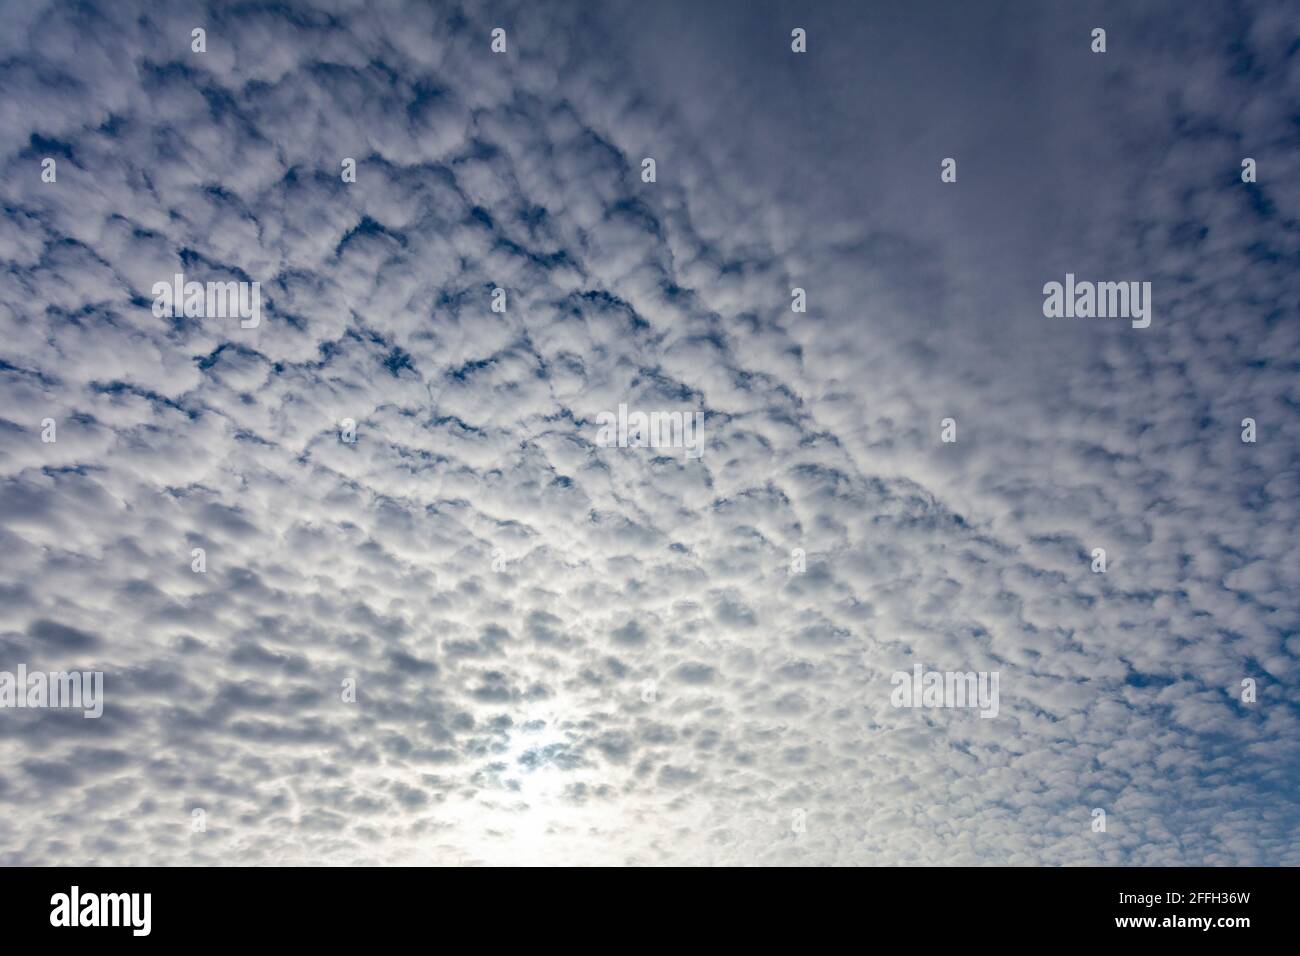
(563, 652)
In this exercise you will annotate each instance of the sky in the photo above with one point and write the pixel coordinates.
(439, 621)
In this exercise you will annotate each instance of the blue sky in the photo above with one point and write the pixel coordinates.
(565, 652)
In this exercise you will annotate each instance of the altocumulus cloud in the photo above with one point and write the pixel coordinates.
(571, 653)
